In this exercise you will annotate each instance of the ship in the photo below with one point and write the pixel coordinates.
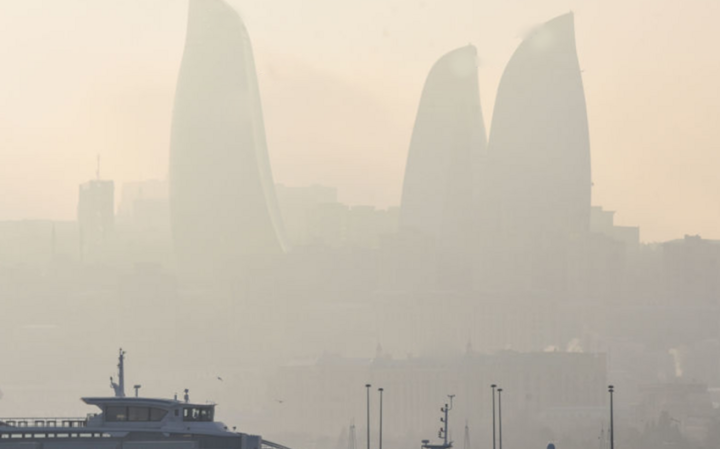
(136, 422)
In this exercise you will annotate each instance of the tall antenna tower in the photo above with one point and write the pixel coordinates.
(603, 438)
(466, 441)
(352, 439)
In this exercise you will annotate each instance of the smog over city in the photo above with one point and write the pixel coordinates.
(326, 224)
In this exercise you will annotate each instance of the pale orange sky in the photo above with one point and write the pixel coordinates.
(340, 82)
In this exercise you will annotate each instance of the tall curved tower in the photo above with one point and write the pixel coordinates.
(442, 176)
(448, 142)
(539, 137)
(222, 196)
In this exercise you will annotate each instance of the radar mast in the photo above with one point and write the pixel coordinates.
(120, 386)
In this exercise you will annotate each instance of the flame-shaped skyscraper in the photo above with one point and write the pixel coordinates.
(223, 203)
(540, 151)
(439, 196)
(539, 140)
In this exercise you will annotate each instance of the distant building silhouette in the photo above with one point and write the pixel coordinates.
(539, 137)
(603, 222)
(144, 205)
(690, 269)
(448, 142)
(95, 212)
(296, 203)
(222, 196)
(539, 150)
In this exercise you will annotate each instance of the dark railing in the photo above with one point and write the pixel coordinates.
(270, 445)
(44, 422)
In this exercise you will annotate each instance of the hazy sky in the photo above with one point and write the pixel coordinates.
(340, 82)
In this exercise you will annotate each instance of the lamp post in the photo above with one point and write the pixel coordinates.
(367, 390)
(493, 386)
(500, 418)
(381, 410)
(611, 389)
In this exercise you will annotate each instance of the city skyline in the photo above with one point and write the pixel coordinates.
(238, 227)
(626, 178)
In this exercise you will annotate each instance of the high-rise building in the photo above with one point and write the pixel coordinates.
(222, 195)
(539, 149)
(443, 168)
(96, 211)
(539, 138)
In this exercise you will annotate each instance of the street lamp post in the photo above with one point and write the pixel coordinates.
(500, 417)
(367, 389)
(493, 386)
(611, 389)
(381, 414)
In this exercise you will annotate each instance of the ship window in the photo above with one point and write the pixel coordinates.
(115, 414)
(157, 414)
(206, 414)
(202, 414)
(138, 414)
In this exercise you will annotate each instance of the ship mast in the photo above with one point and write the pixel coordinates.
(120, 386)
(443, 433)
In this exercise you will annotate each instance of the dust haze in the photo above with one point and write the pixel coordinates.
(284, 207)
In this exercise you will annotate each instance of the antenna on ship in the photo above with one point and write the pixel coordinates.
(443, 433)
(120, 386)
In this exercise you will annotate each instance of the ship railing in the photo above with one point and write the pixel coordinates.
(44, 422)
(270, 445)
